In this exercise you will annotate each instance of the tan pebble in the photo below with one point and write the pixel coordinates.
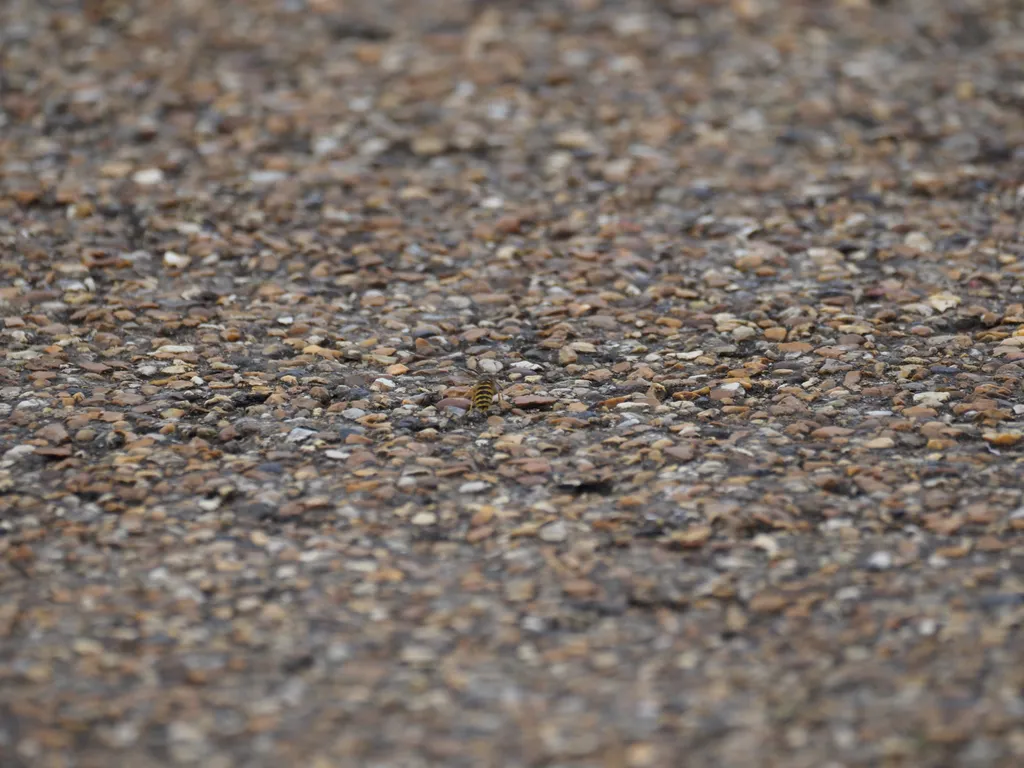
(425, 146)
(768, 602)
(1002, 439)
(632, 501)
(479, 534)
(575, 138)
(37, 673)
(508, 225)
(579, 588)
(919, 411)
(880, 443)
(554, 533)
(228, 434)
(482, 516)
(418, 655)
(389, 576)
(641, 755)
(519, 590)
(599, 375)
(617, 171)
(694, 537)
(748, 262)
(795, 346)
(273, 612)
(735, 619)
(824, 433)
(54, 433)
(86, 646)
(744, 333)
(530, 401)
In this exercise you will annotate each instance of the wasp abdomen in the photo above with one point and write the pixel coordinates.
(481, 396)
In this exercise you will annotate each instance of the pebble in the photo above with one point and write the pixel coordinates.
(176, 260)
(880, 561)
(148, 177)
(744, 333)
(267, 177)
(299, 434)
(880, 443)
(424, 518)
(554, 533)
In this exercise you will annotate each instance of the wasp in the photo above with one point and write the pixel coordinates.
(482, 395)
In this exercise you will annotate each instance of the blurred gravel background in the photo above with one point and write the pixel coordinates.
(749, 275)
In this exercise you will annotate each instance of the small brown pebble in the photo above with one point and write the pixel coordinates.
(519, 590)
(53, 433)
(684, 452)
(796, 346)
(768, 602)
(534, 401)
(1003, 439)
(228, 434)
(54, 452)
(579, 588)
(825, 433)
(693, 537)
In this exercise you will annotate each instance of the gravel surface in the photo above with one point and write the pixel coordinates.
(749, 277)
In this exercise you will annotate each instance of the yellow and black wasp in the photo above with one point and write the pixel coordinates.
(482, 395)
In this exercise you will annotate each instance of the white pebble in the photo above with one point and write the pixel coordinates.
(424, 518)
(176, 260)
(555, 532)
(880, 561)
(147, 177)
(174, 349)
(267, 177)
(299, 434)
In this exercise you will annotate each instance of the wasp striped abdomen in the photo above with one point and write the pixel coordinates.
(482, 395)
